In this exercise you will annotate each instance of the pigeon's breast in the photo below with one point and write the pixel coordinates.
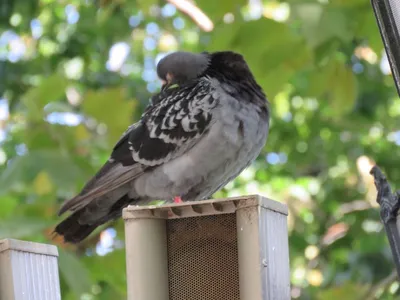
(235, 138)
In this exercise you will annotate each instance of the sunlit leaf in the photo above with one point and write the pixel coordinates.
(42, 184)
(81, 133)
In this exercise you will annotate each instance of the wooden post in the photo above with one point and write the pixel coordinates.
(28, 271)
(226, 249)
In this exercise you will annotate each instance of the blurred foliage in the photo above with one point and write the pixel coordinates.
(74, 74)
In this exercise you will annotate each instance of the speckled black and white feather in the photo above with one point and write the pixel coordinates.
(173, 125)
(192, 140)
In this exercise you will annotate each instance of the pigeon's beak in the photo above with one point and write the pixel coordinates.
(168, 82)
(169, 77)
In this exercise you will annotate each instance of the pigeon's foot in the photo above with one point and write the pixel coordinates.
(177, 199)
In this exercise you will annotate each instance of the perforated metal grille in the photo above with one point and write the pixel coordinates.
(203, 258)
(395, 8)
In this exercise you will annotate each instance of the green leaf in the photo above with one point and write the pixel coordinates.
(342, 88)
(274, 82)
(110, 107)
(223, 36)
(23, 170)
(145, 5)
(21, 227)
(346, 291)
(336, 82)
(349, 3)
(367, 28)
(50, 89)
(75, 273)
(320, 23)
(371, 243)
(42, 184)
(114, 263)
(8, 205)
(318, 82)
(274, 63)
(217, 9)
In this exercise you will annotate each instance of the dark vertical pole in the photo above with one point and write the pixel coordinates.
(390, 33)
(387, 14)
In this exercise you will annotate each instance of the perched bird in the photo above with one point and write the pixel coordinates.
(209, 122)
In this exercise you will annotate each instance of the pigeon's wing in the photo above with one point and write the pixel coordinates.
(165, 131)
(168, 129)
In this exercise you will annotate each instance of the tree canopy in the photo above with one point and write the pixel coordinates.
(74, 74)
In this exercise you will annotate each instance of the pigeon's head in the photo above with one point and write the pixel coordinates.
(179, 67)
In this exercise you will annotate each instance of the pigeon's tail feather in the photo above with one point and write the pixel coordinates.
(81, 223)
(111, 177)
(72, 230)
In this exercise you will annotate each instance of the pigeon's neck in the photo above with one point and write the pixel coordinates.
(232, 71)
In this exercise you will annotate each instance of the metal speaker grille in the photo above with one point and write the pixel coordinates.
(395, 8)
(203, 258)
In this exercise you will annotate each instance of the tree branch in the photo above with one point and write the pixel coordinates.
(389, 203)
(383, 284)
(195, 13)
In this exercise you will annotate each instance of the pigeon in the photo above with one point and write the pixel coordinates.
(207, 124)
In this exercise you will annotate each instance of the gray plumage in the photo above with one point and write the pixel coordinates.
(190, 143)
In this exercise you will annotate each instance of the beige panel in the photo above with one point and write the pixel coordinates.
(146, 259)
(28, 271)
